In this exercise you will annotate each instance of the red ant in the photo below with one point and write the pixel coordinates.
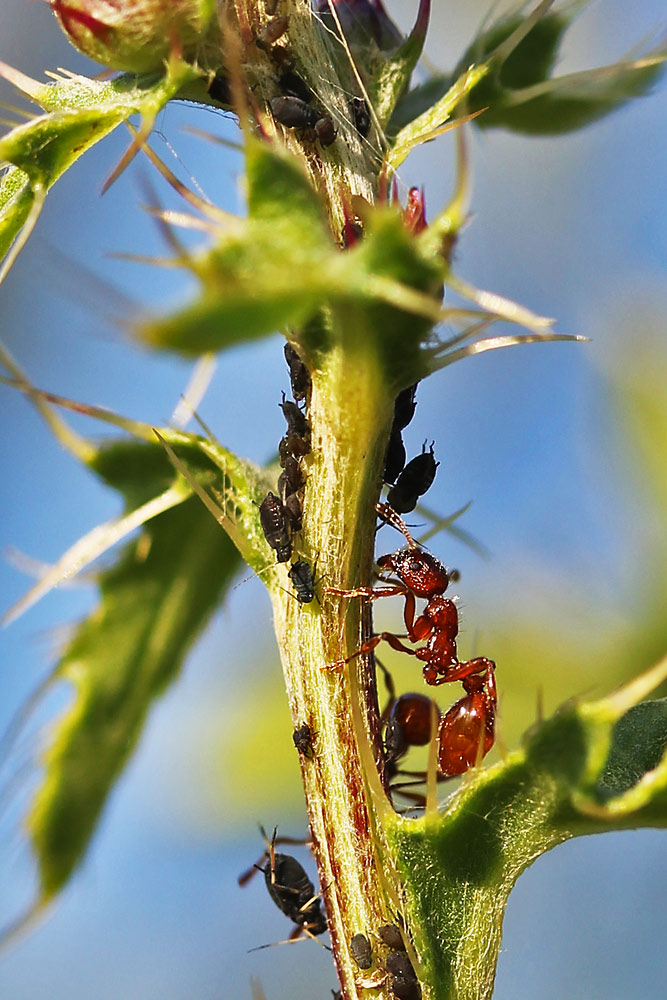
(469, 724)
(420, 575)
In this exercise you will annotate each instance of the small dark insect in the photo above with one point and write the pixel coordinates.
(325, 130)
(292, 85)
(292, 891)
(360, 115)
(361, 950)
(294, 444)
(292, 112)
(293, 513)
(404, 407)
(392, 937)
(297, 439)
(220, 90)
(303, 740)
(275, 526)
(395, 458)
(271, 32)
(292, 478)
(404, 984)
(301, 576)
(296, 422)
(299, 374)
(404, 411)
(415, 479)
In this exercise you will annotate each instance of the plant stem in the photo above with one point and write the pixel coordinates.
(350, 418)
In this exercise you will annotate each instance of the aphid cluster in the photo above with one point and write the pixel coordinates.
(294, 107)
(280, 514)
(408, 482)
(392, 962)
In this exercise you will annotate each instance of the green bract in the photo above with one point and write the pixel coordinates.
(140, 35)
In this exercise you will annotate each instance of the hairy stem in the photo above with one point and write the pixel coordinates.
(350, 419)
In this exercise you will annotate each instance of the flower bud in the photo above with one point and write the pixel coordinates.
(364, 23)
(140, 35)
(414, 214)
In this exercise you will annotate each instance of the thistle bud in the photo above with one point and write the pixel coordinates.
(414, 215)
(364, 23)
(140, 35)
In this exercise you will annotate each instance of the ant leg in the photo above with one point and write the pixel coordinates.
(464, 669)
(366, 648)
(419, 628)
(370, 645)
(388, 683)
(395, 643)
(369, 592)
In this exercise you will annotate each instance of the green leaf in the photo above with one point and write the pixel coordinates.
(16, 200)
(267, 272)
(590, 768)
(279, 268)
(638, 745)
(154, 602)
(428, 125)
(395, 71)
(574, 101)
(519, 94)
(80, 112)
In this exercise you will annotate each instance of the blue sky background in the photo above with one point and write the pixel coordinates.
(573, 227)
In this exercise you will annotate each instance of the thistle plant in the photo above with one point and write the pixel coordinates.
(362, 283)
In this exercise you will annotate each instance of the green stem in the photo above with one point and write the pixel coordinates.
(350, 417)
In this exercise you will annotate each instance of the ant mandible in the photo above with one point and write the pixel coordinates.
(420, 575)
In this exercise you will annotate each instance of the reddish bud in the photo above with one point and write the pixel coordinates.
(140, 35)
(414, 215)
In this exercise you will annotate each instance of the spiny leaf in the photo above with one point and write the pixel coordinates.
(571, 102)
(590, 768)
(519, 93)
(80, 112)
(264, 274)
(281, 266)
(154, 602)
(429, 124)
(395, 72)
(16, 200)
(638, 745)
